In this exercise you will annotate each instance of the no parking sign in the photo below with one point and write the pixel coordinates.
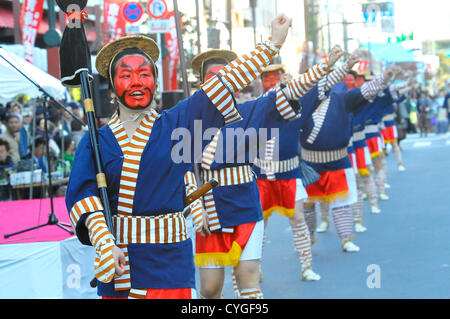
(157, 9)
(132, 11)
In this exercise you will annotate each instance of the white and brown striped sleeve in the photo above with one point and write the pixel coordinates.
(196, 206)
(103, 241)
(371, 89)
(297, 88)
(237, 75)
(83, 208)
(331, 79)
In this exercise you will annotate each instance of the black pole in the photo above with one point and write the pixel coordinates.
(181, 50)
(101, 179)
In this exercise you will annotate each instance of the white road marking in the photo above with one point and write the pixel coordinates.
(422, 144)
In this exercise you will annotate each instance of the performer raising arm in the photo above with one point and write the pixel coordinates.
(152, 256)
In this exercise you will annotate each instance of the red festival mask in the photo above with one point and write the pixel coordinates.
(350, 81)
(270, 80)
(213, 70)
(134, 81)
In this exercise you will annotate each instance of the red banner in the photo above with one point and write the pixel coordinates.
(113, 21)
(30, 19)
(362, 67)
(172, 45)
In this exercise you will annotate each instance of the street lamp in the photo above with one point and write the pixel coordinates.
(52, 37)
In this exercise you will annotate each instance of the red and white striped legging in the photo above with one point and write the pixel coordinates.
(358, 206)
(342, 217)
(379, 163)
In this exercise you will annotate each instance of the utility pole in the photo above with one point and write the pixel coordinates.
(253, 7)
(345, 26)
(230, 22)
(329, 28)
(16, 14)
(197, 13)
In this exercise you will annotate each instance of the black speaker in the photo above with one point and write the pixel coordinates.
(102, 105)
(171, 98)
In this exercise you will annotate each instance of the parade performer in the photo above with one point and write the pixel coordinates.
(149, 255)
(390, 131)
(233, 208)
(329, 156)
(279, 181)
(374, 139)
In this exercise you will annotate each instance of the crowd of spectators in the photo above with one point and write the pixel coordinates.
(23, 143)
(424, 113)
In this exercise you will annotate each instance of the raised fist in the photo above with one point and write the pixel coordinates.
(280, 28)
(389, 74)
(335, 54)
(352, 60)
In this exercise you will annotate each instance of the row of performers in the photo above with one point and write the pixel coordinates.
(149, 253)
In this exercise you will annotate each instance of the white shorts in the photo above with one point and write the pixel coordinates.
(367, 156)
(352, 190)
(300, 193)
(354, 165)
(253, 248)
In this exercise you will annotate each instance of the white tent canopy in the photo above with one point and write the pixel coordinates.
(12, 83)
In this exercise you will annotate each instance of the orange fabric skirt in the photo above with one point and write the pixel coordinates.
(277, 195)
(331, 187)
(374, 145)
(361, 162)
(222, 248)
(389, 134)
(181, 293)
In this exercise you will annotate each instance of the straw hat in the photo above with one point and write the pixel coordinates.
(274, 67)
(110, 51)
(200, 59)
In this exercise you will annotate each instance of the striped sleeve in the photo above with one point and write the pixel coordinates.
(283, 106)
(398, 90)
(210, 151)
(331, 79)
(196, 207)
(237, 75)
(370, 90)
(103, 242)
(297, 88)
(86, 206)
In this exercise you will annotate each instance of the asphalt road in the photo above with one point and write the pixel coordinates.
(405, 253)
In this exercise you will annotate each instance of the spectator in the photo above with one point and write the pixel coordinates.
(12, 134)
(14, 107)
(6, 167)
(6, 162)
(3, 112)
(69, 153)
(67, 118)
(77, 132)
(27, 117)
(39, 153)
(424, 109)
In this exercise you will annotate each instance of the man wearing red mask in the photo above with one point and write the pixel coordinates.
(271, 77)
(149, 253)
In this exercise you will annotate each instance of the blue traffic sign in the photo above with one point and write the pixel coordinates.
(132, 11)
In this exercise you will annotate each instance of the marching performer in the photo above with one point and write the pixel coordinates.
(374, 139)
(329, 156)
(279, 181)
(390, 132)
(149, 255)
